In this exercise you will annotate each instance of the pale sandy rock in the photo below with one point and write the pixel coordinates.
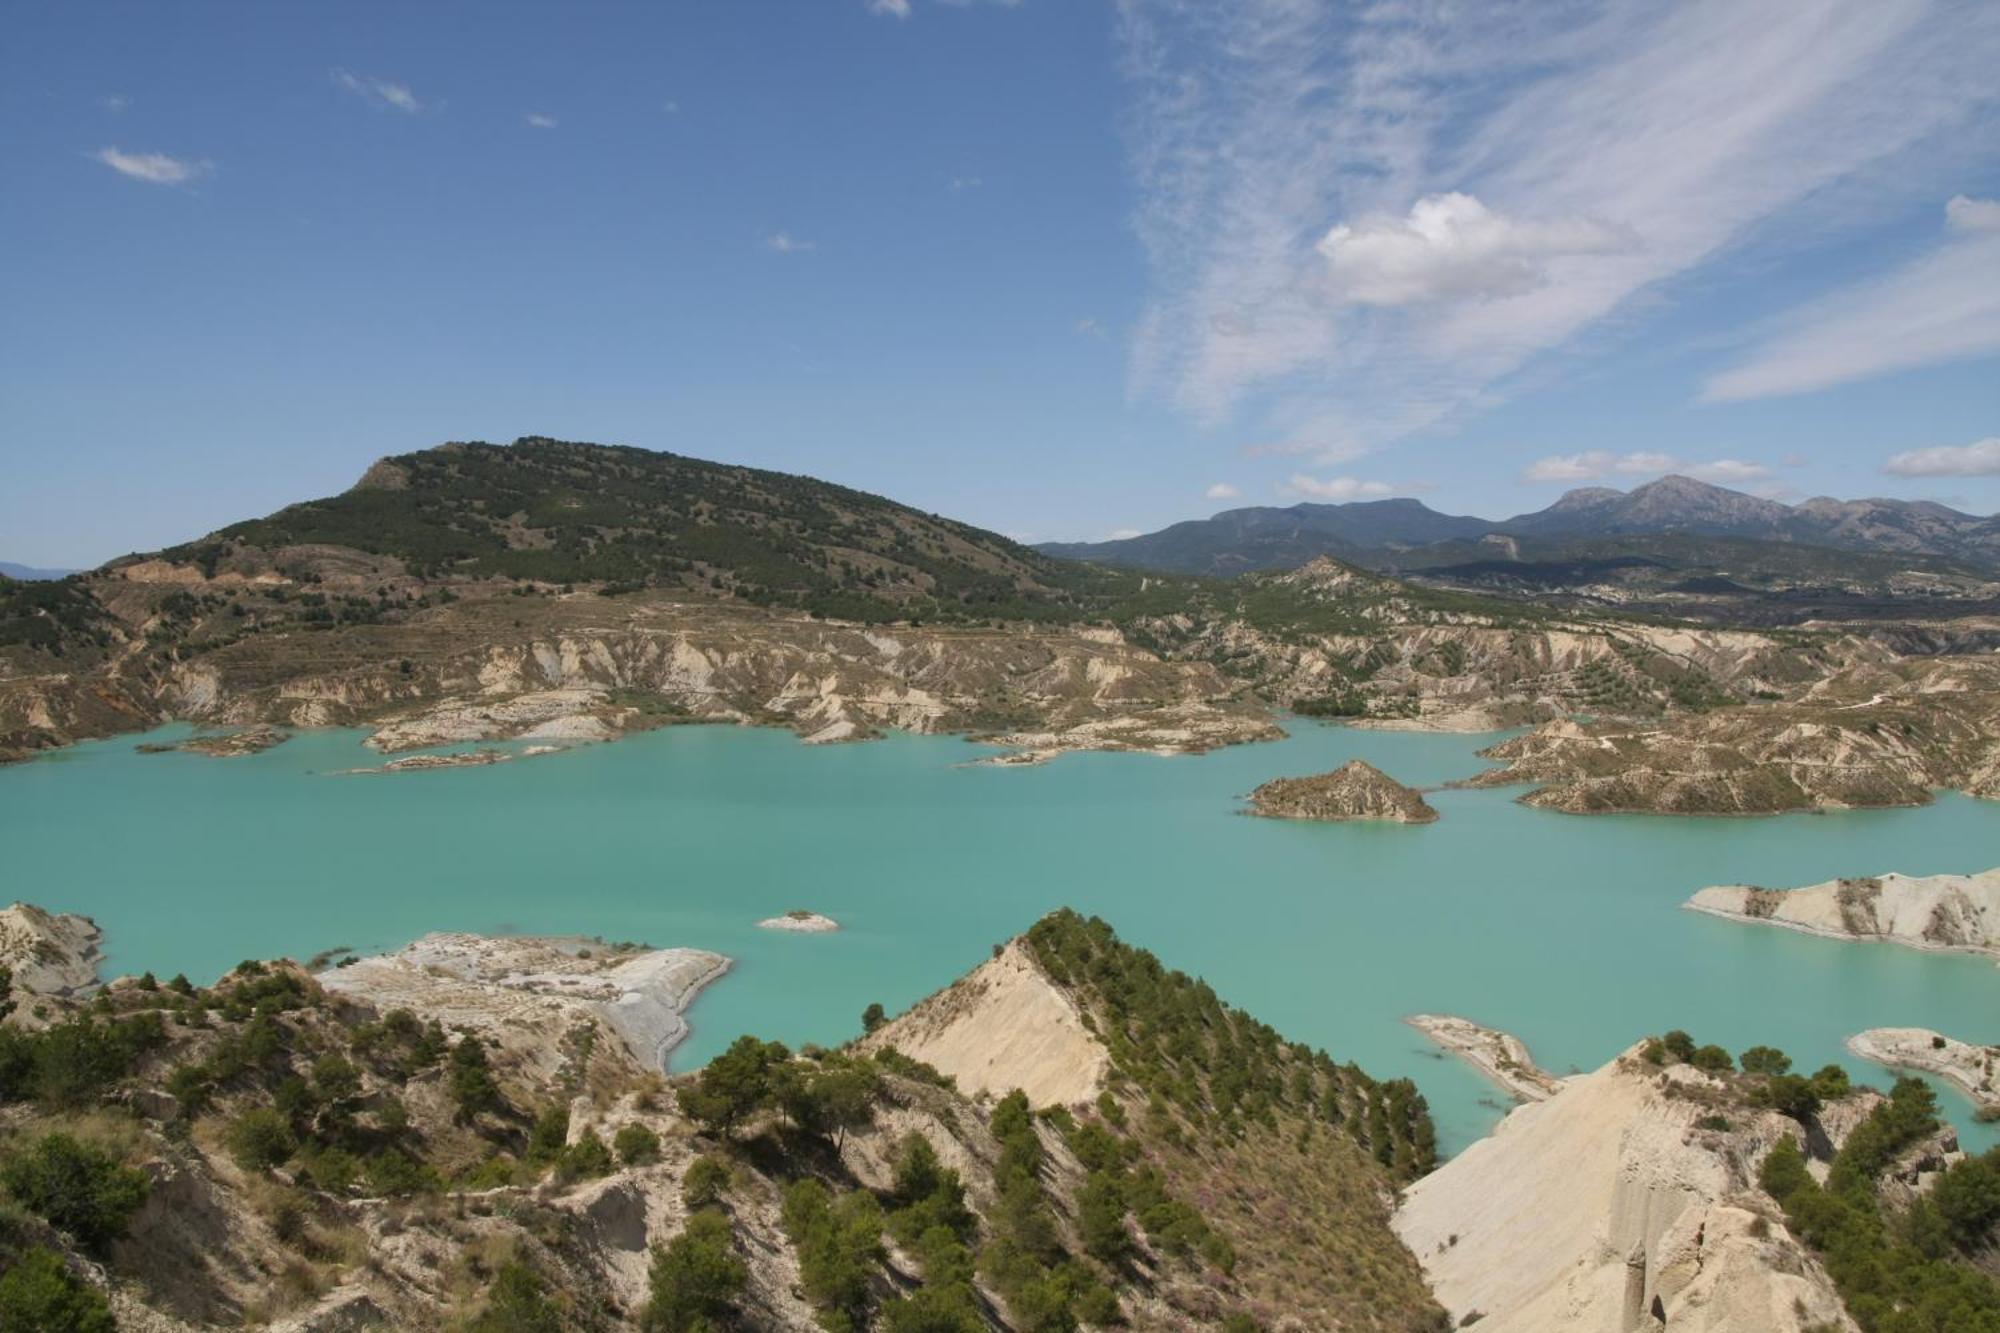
(801, 922)
(544, 713)
(527, 994)
(1003, 1026)
(1501, 1056)
(49, 953)
(1356, 790)
(1957, 913)
(1603, 1207)
(1973, 1070)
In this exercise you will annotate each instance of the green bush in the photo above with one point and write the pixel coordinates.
(636, 1145)
(38, 1294)
(1765, 1060)
(262, 1138)
(839, 1247)
(518, 1303)
(695, 1278)
(76, 1188)
(704, 1183)
(1712, 1060)
(587, 1158)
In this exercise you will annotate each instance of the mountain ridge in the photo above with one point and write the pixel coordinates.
(1266, 537)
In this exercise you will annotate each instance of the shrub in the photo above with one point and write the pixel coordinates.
(733, 1084)
(550, 1134)
(261, 1138)
(587, 1158)
(39, 1293)
(636, 1145)
(76, 1188)
(517, 1303)
(1678, 1044)
(472, 1086)
(873, 1017)
(706, 1179)
(695, 1277)
(1712, 1060)
(839, 1245)
(1765, 1060)
(1100, 1219)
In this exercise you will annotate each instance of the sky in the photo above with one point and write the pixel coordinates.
(1067, 269)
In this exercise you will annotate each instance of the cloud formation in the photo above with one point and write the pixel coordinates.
(540, 120)
(787, 244)
(1451, 246)
(1597, 464)
(1941, 307)
(154, 168)
(893, 8)
(377, 92)
(1301, 486)
(1374, 214)
(1222, 490)
(1978, 459)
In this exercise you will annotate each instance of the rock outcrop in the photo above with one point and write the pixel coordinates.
(1356, 790)
(1958, 913)
(1501, 1056)
(49, 953)
(534, 997)
(1608, 1208)
(1973, 1070)
(1005, 1025)
(800, 922)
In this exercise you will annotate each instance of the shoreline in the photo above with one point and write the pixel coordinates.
(1966, 1068)
(1501, 1056)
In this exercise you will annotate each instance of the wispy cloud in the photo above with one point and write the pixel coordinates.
(1302, 487)
(960, 183)
(539, 120)
(1371, 217)
(1944, 306)
(787, 244)
(1978, 459)
(155, 168)
(1091, 328)
(115, 103)
(893, 8)
(1597, 464)
(378, 92)
(1222, 490)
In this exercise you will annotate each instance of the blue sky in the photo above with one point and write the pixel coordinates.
(1060, 267)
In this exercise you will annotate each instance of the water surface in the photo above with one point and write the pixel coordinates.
(1562, 929)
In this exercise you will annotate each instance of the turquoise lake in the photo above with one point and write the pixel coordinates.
(1562, 929)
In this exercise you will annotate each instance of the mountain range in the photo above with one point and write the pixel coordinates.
(26, 573)
(1380, 532)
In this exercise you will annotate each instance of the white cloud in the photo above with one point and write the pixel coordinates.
(961, 183)
(115, 103)
(1222, 490)
(539, 120)
(787, 244)
(1596, 464)
(1090, 328)
(1451, 246)
(1941, 307)
(893, 8)
(377, 92)
(1301, 486)
(1284, 150)
(157, 168)
(1978, 459)
(1972, 215)
(671, 108)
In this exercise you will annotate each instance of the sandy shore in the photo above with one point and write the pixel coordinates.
(1973, 1070)
(1500, 1056)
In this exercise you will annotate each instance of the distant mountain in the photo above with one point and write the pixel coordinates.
(1263, 537)
(28, 572)
(1376, 532)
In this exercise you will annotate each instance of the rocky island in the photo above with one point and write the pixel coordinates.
(1356, 790)
(1969, 1068)
(1958, 913)
(800, 921)
(224, 745)
(533, 997)
(1501, 1056)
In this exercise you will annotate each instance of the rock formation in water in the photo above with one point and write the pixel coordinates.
(1973, 1070)
(47, 953)
(1501, 1056)
(536, 996)
(1356, 790)
(1952, 912)
(799, 921)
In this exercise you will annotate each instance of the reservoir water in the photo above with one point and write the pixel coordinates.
(1562, 929)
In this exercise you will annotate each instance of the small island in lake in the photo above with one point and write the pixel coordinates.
(1356, 790)
(801, 922)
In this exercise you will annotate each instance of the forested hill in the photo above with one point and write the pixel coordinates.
(559, 512)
